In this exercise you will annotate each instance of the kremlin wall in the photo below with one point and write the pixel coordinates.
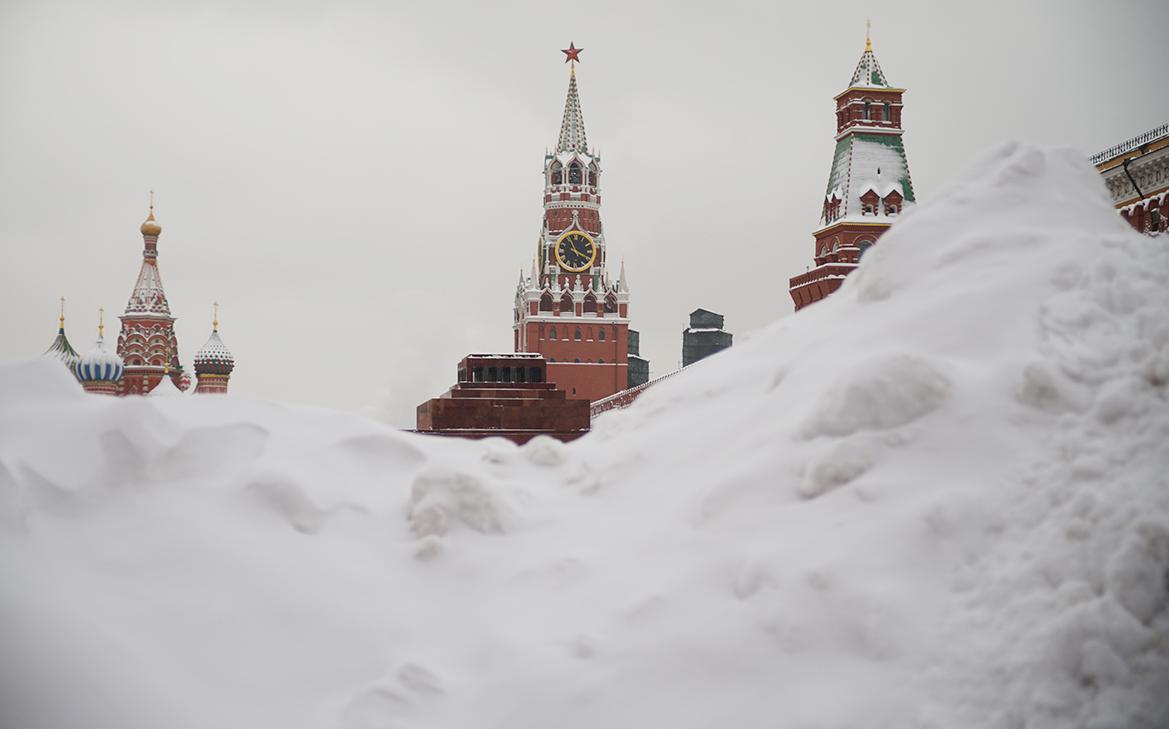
(575, 355)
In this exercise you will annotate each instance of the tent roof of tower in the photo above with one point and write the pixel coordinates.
(61, 349)
(868, 73)
(148, 296)
(572, 128)
(865, 162)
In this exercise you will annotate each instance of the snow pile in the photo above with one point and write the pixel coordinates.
(937, 499)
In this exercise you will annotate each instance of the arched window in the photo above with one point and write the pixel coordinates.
(576, 360)
(557, 175)
(574, 173)
(552, 333)
(590, 303)
(610, 304)
(541, 331)
(546, 302)
(863, 245)
(566, 303)
(888, 112)
(576, 335)
(594, 175)
(601, 335)
(600, 361)
(868, 110)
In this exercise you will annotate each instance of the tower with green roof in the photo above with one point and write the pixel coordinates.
(868, 182)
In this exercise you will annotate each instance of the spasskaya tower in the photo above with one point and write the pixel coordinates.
(567, 308)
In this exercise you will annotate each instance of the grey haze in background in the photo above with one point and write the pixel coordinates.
(358, 184)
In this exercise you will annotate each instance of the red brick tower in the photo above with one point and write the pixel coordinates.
(147, 340)
(868, 185)
(568, 309)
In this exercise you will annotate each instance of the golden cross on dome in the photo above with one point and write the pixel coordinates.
(61, 320)
(101, 321)
(215, 317)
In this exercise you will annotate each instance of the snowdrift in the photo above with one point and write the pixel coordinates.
(937, 499)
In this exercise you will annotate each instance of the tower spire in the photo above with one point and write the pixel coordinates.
(572, 129)
(61, 319)
(215, 317)
(868, 72)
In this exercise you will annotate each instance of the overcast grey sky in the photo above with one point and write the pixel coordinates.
(358, 184)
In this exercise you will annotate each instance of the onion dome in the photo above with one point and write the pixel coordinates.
(149, 226)
(100, 365)
(214, 358)
(61, 349)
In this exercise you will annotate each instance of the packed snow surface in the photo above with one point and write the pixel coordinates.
(937, 499)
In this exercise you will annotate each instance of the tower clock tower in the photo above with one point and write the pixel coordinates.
(568, 308)
(868, 185)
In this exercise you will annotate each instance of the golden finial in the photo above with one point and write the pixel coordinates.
(868, 36)
(166, 363)
(101, 322)
(61, 319)
(149, 227)
(215, 317)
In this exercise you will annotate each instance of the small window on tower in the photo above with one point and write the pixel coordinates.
(601, 335)
(577, 334)
(888, 112)
(552, 333)
(868, 110)
(574, 174)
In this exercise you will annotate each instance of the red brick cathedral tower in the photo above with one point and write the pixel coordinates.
(147, 340)
(868, 185)
(568, 309)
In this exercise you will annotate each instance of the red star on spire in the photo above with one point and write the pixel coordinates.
(572, 52)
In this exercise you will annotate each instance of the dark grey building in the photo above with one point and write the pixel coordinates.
(703, 337)
(638, 367)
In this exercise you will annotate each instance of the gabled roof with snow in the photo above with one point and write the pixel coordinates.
(165, 388)
(572, 129)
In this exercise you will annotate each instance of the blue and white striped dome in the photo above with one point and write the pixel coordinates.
(100, 365)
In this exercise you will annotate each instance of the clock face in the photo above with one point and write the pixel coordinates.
(575, 251)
